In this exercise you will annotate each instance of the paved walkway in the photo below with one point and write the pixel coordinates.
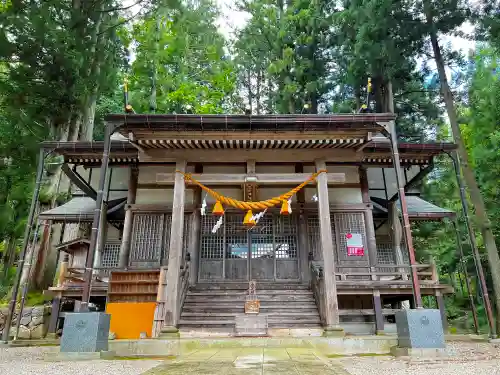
(250, 361)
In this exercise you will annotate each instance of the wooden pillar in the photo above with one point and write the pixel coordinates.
(332, 321)
(379, 318)
(175, 252)
(397, 233)
(305, 274)
(368, 214)
(54, 317)
(103, 231)
(194, 239)
(129, 218)
(442, 309)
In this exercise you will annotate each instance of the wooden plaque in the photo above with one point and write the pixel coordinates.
(252, 307)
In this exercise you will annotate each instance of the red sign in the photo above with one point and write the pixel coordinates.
(355, 244)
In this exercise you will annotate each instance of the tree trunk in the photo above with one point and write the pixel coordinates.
(257, 94)
(9, 256)
(482, 219)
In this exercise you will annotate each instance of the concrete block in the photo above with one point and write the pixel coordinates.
(420, 328)
(85, 332)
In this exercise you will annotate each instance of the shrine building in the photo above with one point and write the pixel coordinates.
(330, 257)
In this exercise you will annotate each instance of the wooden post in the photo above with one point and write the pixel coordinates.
(54, 316)
(379, 317)
(129, 218)
(442, 309)
(194, 239)
(175, 252)
(305, 273)
(397, 237)
(103, 231)
(332, 320)
(368, 214)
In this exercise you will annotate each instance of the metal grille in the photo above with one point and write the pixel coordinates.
(147, 237)
(348, 223)
(314, 237)
(110, 255)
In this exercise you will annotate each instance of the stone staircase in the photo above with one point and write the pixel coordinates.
(213, 307)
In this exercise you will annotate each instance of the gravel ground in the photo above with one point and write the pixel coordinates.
(29, 361)
(463, 359)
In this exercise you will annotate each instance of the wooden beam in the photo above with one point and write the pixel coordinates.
(248, 135)
(79, 181)
(262, 178)
(242, 155)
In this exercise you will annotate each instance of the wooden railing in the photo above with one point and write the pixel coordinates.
(425, 272)
(318, 289)
(184, 286)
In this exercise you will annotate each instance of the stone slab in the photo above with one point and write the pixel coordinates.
(419, 352)
(251, 325)
(85, 332)
(78, 356)
(420, 328)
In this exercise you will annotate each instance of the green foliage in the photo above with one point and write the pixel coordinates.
(180, 56)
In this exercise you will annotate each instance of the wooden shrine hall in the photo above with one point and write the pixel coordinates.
(141, 227)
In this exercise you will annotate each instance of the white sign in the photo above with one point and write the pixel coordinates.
(355, 244)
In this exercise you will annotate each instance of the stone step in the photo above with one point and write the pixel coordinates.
(263, 304)
(260, 292)
(273, 316)
(206, 323)
(242, 299)
(244, 286)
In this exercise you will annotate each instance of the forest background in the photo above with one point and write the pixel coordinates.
(63, 64)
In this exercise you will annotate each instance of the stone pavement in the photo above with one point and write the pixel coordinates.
(250, 361)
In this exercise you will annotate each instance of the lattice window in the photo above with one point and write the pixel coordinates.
(385, 253)
(314, 237)
(187, 234)
(264, 226)
(286, 224)
(348, 223)
(212, 244)
(286, 247)
(166, 236)
(262, 247)
(147, 237)
(110, 255)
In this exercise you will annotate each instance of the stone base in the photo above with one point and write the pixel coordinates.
(85, 332)
(396, 351)
(334, 332)
(250, 325)
(494, 341)
(420, 328)
(78, 356)
(169, 333)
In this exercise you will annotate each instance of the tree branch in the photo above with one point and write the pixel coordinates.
(121, 8)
